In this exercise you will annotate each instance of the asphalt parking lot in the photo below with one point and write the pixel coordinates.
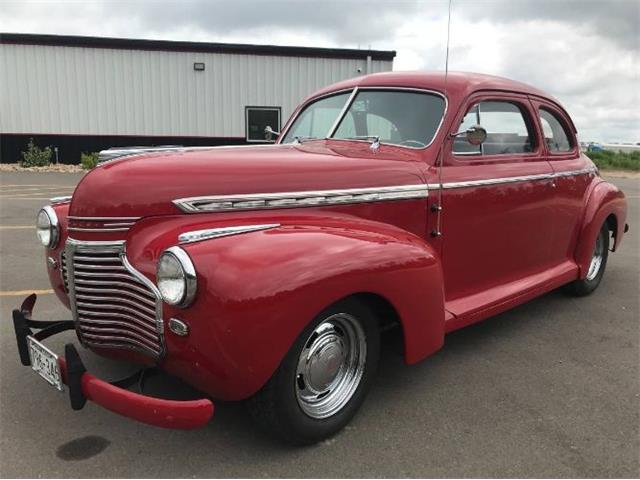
(550, 389)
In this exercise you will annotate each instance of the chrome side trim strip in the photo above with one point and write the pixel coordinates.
(103, 219)
(492, 181)
(60, 200)
(199, 235)
(101, 224)
(261, 201)
(499, 181)
(572, 173)
(80, 229)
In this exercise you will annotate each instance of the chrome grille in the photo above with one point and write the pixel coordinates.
(63, 269)
(113, 304)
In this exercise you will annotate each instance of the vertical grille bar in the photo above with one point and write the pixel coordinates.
(64, 271)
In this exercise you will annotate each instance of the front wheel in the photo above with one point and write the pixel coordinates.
(598, 263)
(324, 377)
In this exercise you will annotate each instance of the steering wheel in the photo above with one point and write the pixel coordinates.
(413, 143)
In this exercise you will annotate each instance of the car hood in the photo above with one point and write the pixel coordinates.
(146, 185)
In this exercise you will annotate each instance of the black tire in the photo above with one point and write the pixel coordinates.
(587, 285)
(277, 407)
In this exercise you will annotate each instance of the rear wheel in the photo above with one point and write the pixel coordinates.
(597, 266)
(324, 378)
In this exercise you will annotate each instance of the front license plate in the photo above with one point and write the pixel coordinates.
(45, 363)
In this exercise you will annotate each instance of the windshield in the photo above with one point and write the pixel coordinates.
(397, 117)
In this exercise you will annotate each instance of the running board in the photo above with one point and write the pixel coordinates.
(474, 308)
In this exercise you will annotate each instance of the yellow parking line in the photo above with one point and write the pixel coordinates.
(43, 187)
(26, 198)
(35, 191)
(16, 227)
(16, 195)
(34, 185)
(22, 293)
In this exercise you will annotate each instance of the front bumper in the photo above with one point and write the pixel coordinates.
(82, 386)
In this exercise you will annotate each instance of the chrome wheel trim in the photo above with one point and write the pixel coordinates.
(596, 259)
(330, 366)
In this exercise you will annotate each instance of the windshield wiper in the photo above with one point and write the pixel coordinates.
(302, 139)
(375, 140)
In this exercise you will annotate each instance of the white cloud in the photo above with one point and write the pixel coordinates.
(585, 52)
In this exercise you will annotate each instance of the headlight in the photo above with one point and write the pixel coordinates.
(176, 277)
(47, 227)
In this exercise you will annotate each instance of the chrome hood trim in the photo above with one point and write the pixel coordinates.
(317, 198)
(60, 200)
(111, 154)
(208, 234)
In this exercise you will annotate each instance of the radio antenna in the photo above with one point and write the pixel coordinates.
(438, 207)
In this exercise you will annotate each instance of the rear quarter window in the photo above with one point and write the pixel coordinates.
(555, 132)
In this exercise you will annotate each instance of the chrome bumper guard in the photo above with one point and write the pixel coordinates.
(82, 386)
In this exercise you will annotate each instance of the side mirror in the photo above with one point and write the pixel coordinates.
(270, 133)
(475, 135)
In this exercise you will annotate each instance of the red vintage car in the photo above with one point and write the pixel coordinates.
(266, 273)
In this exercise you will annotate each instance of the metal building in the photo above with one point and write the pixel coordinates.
(90, 93)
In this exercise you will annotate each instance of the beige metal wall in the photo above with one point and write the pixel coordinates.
(99, 91)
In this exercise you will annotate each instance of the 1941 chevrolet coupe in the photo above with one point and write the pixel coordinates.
(267, 273)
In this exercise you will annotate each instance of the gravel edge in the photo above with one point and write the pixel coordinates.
(59, 168)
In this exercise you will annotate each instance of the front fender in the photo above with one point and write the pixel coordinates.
(257, 291)
(604, 201)
(55, 272)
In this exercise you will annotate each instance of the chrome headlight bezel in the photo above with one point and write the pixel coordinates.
(187, 276)
(53, 227)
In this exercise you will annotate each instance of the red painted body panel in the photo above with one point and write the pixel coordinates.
(482, 305)
(605, 200)
(501, 244)
(55, 274)
(183, 414)
(146, 185)
(258, 291)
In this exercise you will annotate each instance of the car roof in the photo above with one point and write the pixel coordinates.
(458, 85)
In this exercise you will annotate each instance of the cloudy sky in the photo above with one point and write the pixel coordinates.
(583, 52)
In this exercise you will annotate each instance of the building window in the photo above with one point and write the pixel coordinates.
(259, 118)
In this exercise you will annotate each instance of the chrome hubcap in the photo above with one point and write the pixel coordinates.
(330, 366)
(596, 259)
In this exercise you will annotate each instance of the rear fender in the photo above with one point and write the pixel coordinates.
(605, 201)
(257, 291)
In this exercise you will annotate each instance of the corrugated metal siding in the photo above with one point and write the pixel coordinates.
(99, 91)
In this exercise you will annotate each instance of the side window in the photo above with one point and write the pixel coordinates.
(460, 144)
(555, 132)
(316, 119)
(507, 130)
